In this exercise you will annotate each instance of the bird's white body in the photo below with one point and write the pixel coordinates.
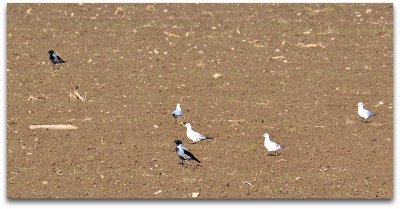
(193, 135)
(177, 113)
(363, 112)
(270, 145)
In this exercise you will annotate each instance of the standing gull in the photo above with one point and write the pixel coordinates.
(363, 112)
(193, 135)
(184, 153)
(177, 113)
(270, 145)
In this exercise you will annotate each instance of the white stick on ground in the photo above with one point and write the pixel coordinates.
(79, 96)
(58, 127)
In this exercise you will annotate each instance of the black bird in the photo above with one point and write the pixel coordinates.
(184, 153)
(55, 58)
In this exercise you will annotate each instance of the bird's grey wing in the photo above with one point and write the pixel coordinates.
(191, 155)
(59, 58)
(176, 112)
(184, 148)
(186, 152)
(275, 144)
(198, 135)
(370, 113)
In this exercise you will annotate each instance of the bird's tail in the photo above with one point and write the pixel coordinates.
(209, 137)
(62, 61)
(194, 158)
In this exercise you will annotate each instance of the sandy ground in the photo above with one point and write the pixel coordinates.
(296, 71)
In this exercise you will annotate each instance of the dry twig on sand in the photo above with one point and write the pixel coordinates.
(57, 127)
(36, 98)
(76, 95)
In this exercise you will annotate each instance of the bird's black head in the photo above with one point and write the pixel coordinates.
(178, 142)
(51, 52)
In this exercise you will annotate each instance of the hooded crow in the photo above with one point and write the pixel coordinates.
(184, 153)
(55, 58)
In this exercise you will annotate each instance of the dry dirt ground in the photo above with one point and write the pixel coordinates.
(296, 71)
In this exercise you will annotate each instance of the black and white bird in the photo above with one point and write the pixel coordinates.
(184, 153)
(177, 113)
(270, 145)
(193, 135)
(363, 112)
(55, 58)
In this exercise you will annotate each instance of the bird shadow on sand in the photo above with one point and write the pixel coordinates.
(190, 166)
(274, 155)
